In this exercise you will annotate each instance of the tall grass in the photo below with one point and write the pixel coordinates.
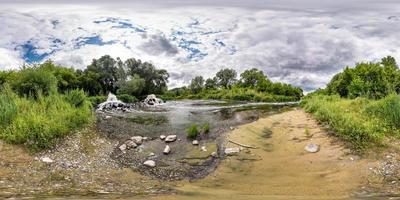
(349, 118)
(38, 122)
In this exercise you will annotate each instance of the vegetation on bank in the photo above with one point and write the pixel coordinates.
(253, 85)
(361, 104)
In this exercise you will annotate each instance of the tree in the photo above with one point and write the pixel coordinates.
(197, 84)
(107, 69)
(226, 77)
(211, 83)
(251, 77)
(34, 81)
(133, 87)
(90, 82)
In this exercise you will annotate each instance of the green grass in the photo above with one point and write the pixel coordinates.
(360, 122)
(206, 128)
(39, 122)
(192, 132)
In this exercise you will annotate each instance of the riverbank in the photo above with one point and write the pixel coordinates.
(278, 168)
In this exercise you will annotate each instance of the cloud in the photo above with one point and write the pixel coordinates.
(304, 45)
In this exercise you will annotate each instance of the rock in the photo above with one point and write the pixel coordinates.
(130, 144)
(46, 159)
(195, 142)
(146, 139)
(152, 100)
(137, 139)
(108, 117)
(232, 151)
(151, 154)
(162, 137)
(170, 138)
(203, 148)
(214, 154)
(232, 128)
(312, 148)
(167, 149)
(149, 163)
(122, 148)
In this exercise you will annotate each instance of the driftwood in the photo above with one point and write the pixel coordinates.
(243, 145)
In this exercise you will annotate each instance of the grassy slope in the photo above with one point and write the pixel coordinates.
(360, 122)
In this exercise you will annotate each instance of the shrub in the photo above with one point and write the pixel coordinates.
(387, 109)
(34, 82)
(96, 100)
(192, 132)
(127, 98)
(76, 97)
(206, 128)
(8, 109)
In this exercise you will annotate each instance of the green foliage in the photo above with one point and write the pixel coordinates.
(96, 100)
(206, 128)
(226, 77)
(197, 84)
(126, 98)
(192, 132)
(133, 87)
(8, 108)
(252, 77)
(211, 83)
(76, 97)
(387, 109)
(348, 119)
(39, 123)
(369, 80)
(34, 82)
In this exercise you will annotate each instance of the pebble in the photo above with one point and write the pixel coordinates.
(167, 149)
(214, 154)
(130, 144)
(46, 159)
(203, 148)
(162, 137)
(312, 148)
(149, 163)
(195, 142)
(232, 151)
(137, 139)
(170, 138)
(122, 148)
(108, 117)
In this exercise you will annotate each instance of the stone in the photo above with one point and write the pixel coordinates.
(162, 137)
(130, 144)
(232, 151)
(203, 148)
(137, 139)
(312, 148)
(46, 159)
(195, 142)
(214, 154)
(170, 138)
(149, 163)
(146, 139)
(122, 148)
(108, 117)
(152, 100)
(167, 149)
(151, 154)
(232, 128)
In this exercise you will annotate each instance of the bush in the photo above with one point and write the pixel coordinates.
(34, 82)
(192, 132)
(39, 123)
(387, 109)
(96, 100)
(206, 128)
(126, 98)
(8, 109)
(76, 97)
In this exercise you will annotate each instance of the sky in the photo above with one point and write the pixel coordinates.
(301, 42)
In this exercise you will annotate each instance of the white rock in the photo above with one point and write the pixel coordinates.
(232, 151)
(145, 138)
(312, 148)
(46, 159)
(170, 138)
(149, 163)
(130, 144)
(232, 128)
(203, 148)
(162, 137)
(137, 139)
(108, 117)
(214, 154)
(151, 154)
(167, 149)
(122, 148)
(195, 142)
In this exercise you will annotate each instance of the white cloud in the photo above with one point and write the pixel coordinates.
(302, 47)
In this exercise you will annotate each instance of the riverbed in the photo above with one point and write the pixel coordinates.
(276, 167)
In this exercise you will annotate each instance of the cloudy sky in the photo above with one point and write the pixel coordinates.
(302, 42)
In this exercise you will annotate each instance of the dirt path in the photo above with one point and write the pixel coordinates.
(280, 168)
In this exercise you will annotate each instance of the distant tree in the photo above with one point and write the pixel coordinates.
(133, 86)
(90, 82)
(251, 77)
(106, 68)
(211, 83)
(197, 84)
(226, 77)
